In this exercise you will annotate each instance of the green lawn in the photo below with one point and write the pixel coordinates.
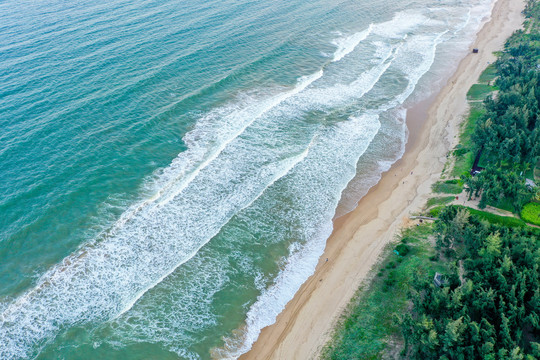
(479, 91)
(488, 75)
(463, 164)
(439, 201)
(453, 186)
(464, 156)
(477, 110)
(464, 153)
(434, 212)
(497, 219)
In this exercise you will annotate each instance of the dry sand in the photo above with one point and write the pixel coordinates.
(359, 237)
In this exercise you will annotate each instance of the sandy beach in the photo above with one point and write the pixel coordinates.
(359, 237)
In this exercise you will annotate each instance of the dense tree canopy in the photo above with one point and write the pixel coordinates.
(490, 306)
(508, 134)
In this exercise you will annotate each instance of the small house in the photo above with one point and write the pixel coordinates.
(438, 280)
(475, 51)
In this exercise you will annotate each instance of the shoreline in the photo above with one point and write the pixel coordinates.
(355, 245)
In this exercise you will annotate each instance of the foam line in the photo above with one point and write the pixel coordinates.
(353, 137)
(415, 73)
(288, 165)
(107, 279)
(303, 83)
(301, 263)
(180, 174)
(347, 45)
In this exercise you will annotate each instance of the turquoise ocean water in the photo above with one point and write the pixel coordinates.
(169, 170)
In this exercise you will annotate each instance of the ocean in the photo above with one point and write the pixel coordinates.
(169, 170)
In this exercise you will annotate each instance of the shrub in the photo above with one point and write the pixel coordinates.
(460, 151)
(402, 249)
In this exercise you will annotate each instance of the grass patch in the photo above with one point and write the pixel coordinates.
(504, 204)
(453, 186)
(477, 110)
(531, 213)
(479, 91)
(434, 212)
(488, 75)
(463, 164)
(463, 154)
(439, 201)
(497, 219)
(368, 324)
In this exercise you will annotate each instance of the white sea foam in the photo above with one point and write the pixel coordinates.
(347, 44)
(156, 236)
(300, 264)
(465, 23)
(94, 283)
(420, 54)
(401, 24)
(211, 135)
(286, 165)
(235, 123)
(414, 57)
(340, 146)
(343, 93)
(108, 277)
